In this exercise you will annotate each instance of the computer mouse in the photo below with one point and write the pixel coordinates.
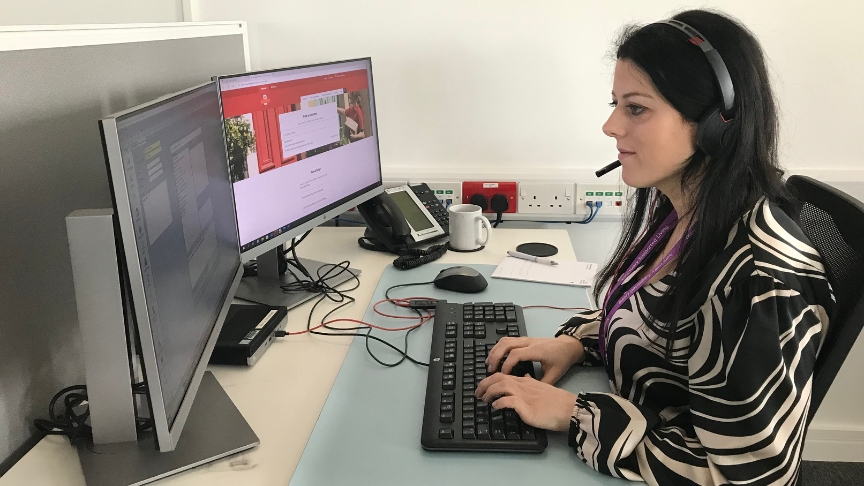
(460, 279)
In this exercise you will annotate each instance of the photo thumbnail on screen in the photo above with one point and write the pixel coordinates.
(290, 121)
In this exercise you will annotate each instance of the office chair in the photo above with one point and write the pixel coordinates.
(834, 223)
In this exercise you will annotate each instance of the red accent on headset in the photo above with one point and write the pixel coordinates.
(695, 40)
(724, 119)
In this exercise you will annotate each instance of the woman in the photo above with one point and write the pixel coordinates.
(717, 301)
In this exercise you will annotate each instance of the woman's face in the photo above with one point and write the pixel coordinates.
(654, 140)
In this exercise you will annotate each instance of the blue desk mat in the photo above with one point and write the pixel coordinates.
(368, 432)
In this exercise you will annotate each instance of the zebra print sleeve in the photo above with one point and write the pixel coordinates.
(750, 371)
(585, 326)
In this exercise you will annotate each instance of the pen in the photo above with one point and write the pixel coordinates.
(531, 258)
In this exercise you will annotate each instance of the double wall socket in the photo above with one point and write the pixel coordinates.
(542, 198)
(489, 190)
(613, 197)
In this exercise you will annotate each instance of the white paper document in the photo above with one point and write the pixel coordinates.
(572, 273)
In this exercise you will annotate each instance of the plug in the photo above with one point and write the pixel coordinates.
(480, 200)
(500, 203)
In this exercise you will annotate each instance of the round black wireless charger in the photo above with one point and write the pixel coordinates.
(537, 249)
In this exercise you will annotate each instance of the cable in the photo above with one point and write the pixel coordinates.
(73, 424)
(340, 296)
(594, 211)
(414, 257)
(387, 292)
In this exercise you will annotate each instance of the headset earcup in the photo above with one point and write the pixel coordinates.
(711, 130)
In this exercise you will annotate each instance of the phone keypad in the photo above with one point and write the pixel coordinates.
(433, 205)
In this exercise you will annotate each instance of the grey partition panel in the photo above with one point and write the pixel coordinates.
(51, 163)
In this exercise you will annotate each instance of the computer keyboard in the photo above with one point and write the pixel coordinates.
(453, 419)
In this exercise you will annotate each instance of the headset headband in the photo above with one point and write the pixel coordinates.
(714, 59)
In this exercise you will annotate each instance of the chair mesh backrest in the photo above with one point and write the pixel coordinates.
(834, 223)
(844, 265)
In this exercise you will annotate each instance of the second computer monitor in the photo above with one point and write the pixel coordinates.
(302, 148)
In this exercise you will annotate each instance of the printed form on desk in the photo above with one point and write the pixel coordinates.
(572, 273)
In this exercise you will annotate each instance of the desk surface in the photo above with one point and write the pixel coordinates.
(369, 429)
(284, 393)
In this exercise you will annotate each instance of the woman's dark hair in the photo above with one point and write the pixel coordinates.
(723, 187)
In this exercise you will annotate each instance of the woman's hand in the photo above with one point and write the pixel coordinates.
(538, 404)
(555, 355)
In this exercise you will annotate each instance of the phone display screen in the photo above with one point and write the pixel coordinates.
(412, 212)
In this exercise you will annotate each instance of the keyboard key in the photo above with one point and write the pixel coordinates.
(510, 316)
(501, 330)
(449, 376)
(449, 356)
(447, 385)
(467, 418)
(468, 400)
(483, 432)
(446, 407)
(527, 432)
(498, 434)
(446, 417)
(468, 387)
(447, 399)
(445, 433)
(467, 432)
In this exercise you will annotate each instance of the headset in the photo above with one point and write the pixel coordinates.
(716, 122)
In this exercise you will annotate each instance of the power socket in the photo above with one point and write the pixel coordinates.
(613, 197)
(447, 192)
(489, 189)
(540, 198)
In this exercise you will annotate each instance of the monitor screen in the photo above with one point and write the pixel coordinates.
(300, 141)
(175, 207)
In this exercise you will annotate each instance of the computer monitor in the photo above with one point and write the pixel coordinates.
(302, 145)
(178, 244)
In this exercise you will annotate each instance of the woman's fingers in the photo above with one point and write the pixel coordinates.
(501, 387)
(501, 349)
(513, 358)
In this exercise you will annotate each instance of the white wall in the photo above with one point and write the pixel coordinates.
(38, 12)
(469, 88)
(496, 87)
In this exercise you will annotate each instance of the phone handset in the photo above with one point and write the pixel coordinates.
(386, 222)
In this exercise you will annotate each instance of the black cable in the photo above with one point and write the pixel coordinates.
(73, 424)
(345, 299)
(367, 335)
(414, 257)
(387, 292)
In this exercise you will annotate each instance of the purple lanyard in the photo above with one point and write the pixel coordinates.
(667, 226)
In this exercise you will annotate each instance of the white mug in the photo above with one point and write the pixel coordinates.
(466, 227)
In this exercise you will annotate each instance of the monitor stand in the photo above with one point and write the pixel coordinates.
(213, 430)
(266, 288)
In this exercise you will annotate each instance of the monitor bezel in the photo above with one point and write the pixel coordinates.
(167, 433)
(316, 218)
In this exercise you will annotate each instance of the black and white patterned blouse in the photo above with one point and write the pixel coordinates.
(730, 406)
